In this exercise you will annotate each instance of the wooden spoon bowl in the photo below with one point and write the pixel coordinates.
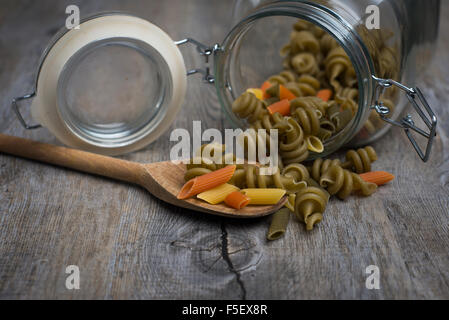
(162, 179)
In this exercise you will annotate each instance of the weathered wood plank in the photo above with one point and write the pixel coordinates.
(130, 245)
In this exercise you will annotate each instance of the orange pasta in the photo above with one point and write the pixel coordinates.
(377, 177)
(206, 182)
(283, 107)
(237, 200)
(284, 93)
(264, 88)
(324, 94)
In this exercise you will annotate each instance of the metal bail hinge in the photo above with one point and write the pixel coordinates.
(414, 95)
(15, 107)
(204, 51)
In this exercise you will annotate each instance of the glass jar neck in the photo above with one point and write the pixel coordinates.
(342, 30)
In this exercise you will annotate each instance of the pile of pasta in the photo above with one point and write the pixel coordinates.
(307, 187)
(237, 185)
(312, 100)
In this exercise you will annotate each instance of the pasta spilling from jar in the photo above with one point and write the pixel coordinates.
(311, 101)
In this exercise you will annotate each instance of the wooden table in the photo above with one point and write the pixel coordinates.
(129, 245)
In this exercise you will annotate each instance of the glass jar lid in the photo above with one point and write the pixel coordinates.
(111, 87)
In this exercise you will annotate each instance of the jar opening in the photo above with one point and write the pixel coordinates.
(114, 91)
(251, 54)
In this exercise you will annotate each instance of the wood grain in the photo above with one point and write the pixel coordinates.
(130, 245)
(163, 180)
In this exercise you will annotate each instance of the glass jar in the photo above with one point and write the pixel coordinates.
(249, 57)
(116, 86)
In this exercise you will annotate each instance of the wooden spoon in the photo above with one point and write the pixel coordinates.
(162, 179)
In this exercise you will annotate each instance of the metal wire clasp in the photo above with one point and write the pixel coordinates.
(15, 107)
(205, 51)
(414, 95)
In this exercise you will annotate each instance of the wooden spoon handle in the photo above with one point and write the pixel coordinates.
(74, 159)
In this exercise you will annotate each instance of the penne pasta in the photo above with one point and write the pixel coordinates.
(265, 196)
(237, 200)
(217, 194)
(279, 224)
(206, 182)
(377, 177)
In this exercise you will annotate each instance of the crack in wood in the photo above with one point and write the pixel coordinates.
(227, 258)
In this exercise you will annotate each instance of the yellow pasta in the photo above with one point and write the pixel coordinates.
(217, 194)
(264, 196)
(257, 92)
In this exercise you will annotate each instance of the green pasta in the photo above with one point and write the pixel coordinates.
(342, 182)
(324, 134)
(268, 122)
(327, 125)
(347, 98)
(305, 63)
(279, 223)
(304, 86)
(247, 106)
(310, 204)
(304, 41)
(360, 160)
(195, 172)
(320, 166)
(307, 112)
(293, 146)
(283, 77)
(342, 119)
(338, 65)
(327, 43)
(297, 171)
(312, 60)
(250, 177)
